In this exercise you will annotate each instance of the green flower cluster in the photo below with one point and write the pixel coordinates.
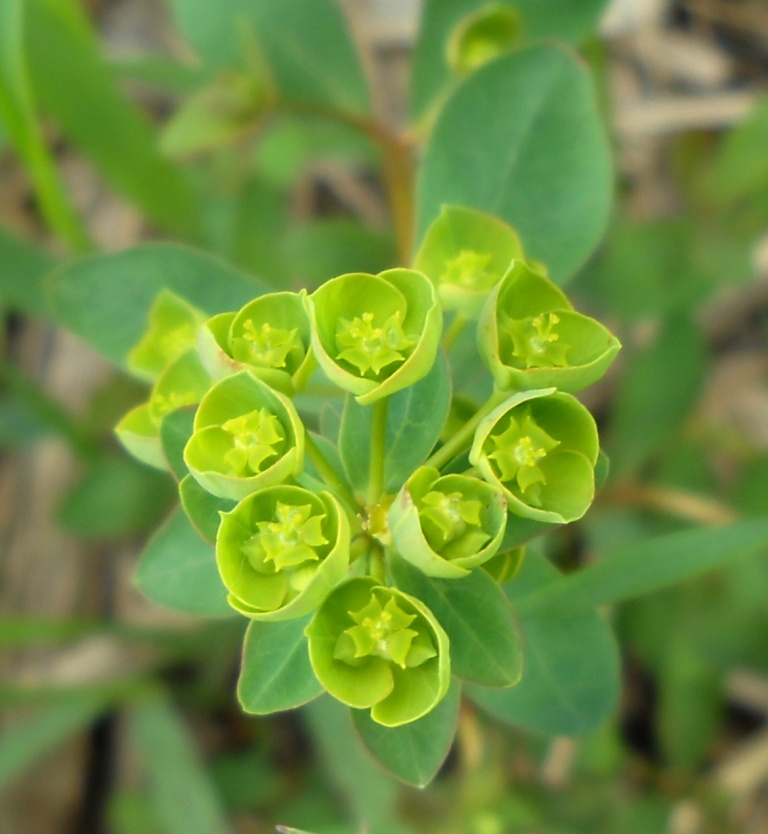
(302, 537)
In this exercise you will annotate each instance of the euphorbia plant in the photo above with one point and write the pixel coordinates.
(363, 527)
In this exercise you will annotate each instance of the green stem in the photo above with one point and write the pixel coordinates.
(376, 564)
(327, 473)
(463, 437)
(455, 329)
(378, 447)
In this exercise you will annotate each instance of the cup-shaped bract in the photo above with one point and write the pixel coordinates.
(270, 336)
(530, 336)
(246, 437)
(173, 326)
(465, 253)
(281, 550)
(379, 648)
(540, 447)
(447, 525)
(374, 335)
(183, 382)
(482, 36)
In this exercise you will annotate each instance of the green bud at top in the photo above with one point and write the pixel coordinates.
(372, 646)
(173, 326)
(281, 550)
(270, 336)
(374, 335)
(246, 437)
(540, 447)
(482, 36)
(530, 336)
(447, 525)
(465, 253)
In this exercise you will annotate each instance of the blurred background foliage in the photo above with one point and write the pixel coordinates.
(244, 128)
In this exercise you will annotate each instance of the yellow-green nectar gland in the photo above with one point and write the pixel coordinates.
(382, 631)
(446, 517)
(535, 342)
(290, 541)
(469, 269)
(256, 438)
(518, 452)
(270, 347)
(163, 404)
(369, 348)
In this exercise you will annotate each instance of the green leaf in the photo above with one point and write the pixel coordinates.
(561, 19)
(647, 566)
(416, 751)
(415, 418)
(202, 508)
(690, 703)
(18, 117)
(31, 739)
(116, 497)
(334, 246)
(181, 791)
(484, 638)
(275, 674)
(21, 275)
(741, 167)
(543, 165)
(570, 684)
(308, 50)
(105, 299)
(178, 570)
(175, 431)
(657, 393)
(77, 87)
(370, 794)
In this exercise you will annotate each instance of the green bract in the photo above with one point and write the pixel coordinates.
(465, 253)
(270, 336)
(246, 437)
(373, 646)
(530, 336)
(447, 525)
(482, 36)
(374, 335)
(173, 326)
(541, 448)
(183, 382)
(281, 550)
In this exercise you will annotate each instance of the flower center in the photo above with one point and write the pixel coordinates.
(469, 269)
(289, 541)
(371, 348)
(535, 342)
(446, 517)
(256, 438)
(518, 452)
(383, 631)
(267, 346)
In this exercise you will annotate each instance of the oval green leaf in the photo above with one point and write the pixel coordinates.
(178, 570)
(486, 646)
(571, 680)
(413, 752)
(276, 674)
(542, 165)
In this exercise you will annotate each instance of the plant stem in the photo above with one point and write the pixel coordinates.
(327, 473)
(378, 446)
(454, 330)
(463, 437)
